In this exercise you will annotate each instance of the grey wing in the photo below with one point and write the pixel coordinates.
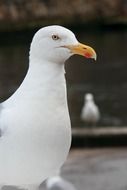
(2, 127)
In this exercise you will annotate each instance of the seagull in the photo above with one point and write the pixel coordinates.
(34, 122)
(90, 113)
(58, 183)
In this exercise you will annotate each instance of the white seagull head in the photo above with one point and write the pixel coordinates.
(88, 97)
(56, 44)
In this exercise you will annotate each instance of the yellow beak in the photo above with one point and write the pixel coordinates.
(83, 50)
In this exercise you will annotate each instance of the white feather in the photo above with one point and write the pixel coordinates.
(58, 183)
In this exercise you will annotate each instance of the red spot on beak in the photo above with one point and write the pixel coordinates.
(87, 55)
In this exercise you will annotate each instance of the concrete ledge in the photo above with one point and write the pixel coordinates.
(99, 137)
(99, 131)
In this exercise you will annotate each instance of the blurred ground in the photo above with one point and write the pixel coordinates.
(97, 169)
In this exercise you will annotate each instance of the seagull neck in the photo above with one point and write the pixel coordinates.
(41, 82)
(45, 72)
(42, 77)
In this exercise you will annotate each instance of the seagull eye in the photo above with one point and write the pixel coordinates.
(55, 37)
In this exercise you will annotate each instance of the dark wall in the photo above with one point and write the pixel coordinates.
(18, 14)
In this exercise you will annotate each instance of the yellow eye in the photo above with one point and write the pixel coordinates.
(55, 37)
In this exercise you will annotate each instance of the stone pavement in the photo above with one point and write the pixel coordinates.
(97, 169)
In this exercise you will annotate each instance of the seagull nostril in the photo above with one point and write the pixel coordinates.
(84, 48)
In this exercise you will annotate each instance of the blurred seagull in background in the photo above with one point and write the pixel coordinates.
(34, 122)
(90, 113)
(58, 183)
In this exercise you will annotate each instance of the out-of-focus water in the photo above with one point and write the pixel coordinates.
(106, 78)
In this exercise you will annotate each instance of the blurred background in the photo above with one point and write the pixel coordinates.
(101, 24)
